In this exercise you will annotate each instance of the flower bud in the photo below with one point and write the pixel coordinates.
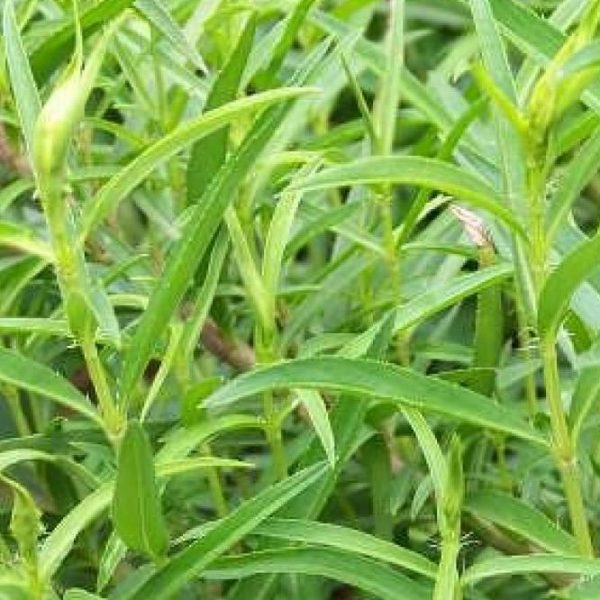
(455, 485)
(55, 124)
(553, 93)
(64, 110)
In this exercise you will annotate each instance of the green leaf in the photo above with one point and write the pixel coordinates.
(434, 457)
(24, 373)
(27, 325)
(58, 544)
(532, 563)
(586, 58)
(159, 17)
(520, 518)
(114, 552)
(180, 442)
(489, 332)
(375, 456)
(22, 238)
(363, 107)
(275, 244)
(433, 300)
(191, 562)
(136, 510)
(204, 296)
(385, 109)
(580, 171)
(12, 457)
(246, 265)
(314, 405)
(57, 47)
(79, 594)
(379, 380)
(23, 85)
(167, 364)
(208, 153)
(25, 523)
(289, 29)
(413, 170)
(562, 283)
(365, 574)
(115, 190)
(350, 540)
(492, 48)
(585, 396)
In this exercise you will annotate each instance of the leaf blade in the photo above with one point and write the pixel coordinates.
(376, 379)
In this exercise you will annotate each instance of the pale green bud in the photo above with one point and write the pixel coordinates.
(553, 94)
(64, 110)
(55, 124)
(455, 485)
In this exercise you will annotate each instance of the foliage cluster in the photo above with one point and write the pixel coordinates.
(299, 299)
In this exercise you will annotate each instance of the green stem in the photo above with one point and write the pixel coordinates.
(393, 263)
(113, 418)
(216, 486)
(562, 444)
(72, 278)
(538, 246)
(274, 438)
(183, 375)
(14, 404)
(564, 450)
(446, 581)
(524, 343)
(265, 342)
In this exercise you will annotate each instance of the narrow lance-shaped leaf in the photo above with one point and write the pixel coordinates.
(56, 47)
(582, 168)
(22, 238)
(378, 380)
(192, 561)
(314, 405)
(385, 109)
(25, 373)
(562, 283)
(413, 170)
(430, 302)
(434, 457)
(533, 563)
(268, 74)
(25, 524)
(522, 519)
(344, 538)
(492, 48)
(159, 16)
(365, 574)
(136, 510)
(25, 91)
(208, 153)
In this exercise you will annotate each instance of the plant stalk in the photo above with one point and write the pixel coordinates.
(564, 450)
(562, 444)
(112, 416)
(447, 581)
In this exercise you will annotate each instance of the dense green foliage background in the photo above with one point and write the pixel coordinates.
(299, 299)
